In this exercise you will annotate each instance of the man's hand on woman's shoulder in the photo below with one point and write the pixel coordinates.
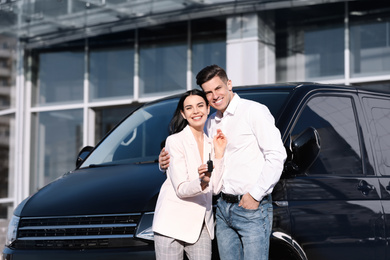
(163, 159)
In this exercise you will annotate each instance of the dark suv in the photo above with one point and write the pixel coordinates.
(332, 202)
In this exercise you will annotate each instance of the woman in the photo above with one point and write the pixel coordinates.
(183, 219)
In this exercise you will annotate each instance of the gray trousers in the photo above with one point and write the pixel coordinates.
(168, 248)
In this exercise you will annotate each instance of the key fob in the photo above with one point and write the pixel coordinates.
(210, 164)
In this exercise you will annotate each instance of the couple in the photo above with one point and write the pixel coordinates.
(248, 157)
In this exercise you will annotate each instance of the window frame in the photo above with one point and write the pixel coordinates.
(355, 108)
(371, 131)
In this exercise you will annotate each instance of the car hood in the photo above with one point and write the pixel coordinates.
(98, 190)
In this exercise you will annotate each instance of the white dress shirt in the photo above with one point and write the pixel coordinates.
(255, 154)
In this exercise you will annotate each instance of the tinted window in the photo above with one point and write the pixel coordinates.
(379, 123)
(334, 119)
(274, 100)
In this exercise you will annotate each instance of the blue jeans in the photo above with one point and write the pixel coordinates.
(244, 234)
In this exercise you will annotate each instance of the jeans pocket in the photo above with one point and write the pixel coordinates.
(249, 210)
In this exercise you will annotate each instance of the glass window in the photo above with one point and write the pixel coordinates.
(208, 44)
(370, 49)
(334, 119)
(207, 53)
(369, 38)
(163, 60)
(60, 78)
(57, 139)
(310, 42)
(111, 73)
(49, 8)
(324, 58)
(6, 210)
(379, 123)
(274, 101)
(59, 8)
(7, 72)
(162, 68)
(138, 138)
(7, 150)
(107, 118)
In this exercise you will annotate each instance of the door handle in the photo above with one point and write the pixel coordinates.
(364, 187)
(281, 203)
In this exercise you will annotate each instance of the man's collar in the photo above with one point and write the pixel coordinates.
(231, 109)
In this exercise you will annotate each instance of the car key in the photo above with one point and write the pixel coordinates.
(210, 164)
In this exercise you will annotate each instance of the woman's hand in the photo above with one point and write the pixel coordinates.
(220, 143)
(204, 176)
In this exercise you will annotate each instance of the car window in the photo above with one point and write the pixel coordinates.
(274, 100)
(334, 119)
(136, 139)
(379, 123)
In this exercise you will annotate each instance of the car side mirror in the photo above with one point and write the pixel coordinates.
(83, 154)
(305, 149)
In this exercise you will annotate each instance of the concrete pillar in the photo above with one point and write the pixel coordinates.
(250, 49)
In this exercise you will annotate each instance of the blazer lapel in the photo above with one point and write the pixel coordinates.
(207, 149)
(190, 139)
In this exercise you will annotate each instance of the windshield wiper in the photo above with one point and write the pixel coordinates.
(100, 165)
(121, 163)
(147, 162)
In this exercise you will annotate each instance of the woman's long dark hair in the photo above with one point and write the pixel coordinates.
(178, 122)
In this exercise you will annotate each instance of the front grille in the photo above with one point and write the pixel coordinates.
(75, 232)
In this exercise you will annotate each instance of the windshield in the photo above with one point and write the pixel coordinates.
(138, 138)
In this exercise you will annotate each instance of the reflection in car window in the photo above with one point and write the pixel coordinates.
(334, 119)
(138, 138)
(379, 124)
(274, 100)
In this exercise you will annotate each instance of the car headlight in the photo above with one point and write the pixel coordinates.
(12, 230)
(144, 230)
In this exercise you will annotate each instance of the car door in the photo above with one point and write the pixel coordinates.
(335, 205)
(377, 111)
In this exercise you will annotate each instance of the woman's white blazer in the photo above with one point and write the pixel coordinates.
(182, 207)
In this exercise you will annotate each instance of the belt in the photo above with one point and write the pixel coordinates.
(229, 198)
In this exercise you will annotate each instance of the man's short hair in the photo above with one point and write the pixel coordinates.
(210, 72)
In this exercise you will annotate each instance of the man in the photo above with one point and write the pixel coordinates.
(254, 159)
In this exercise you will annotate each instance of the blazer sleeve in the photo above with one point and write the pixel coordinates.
(183, 181)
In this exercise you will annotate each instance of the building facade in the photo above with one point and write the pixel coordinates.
(72, 69)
